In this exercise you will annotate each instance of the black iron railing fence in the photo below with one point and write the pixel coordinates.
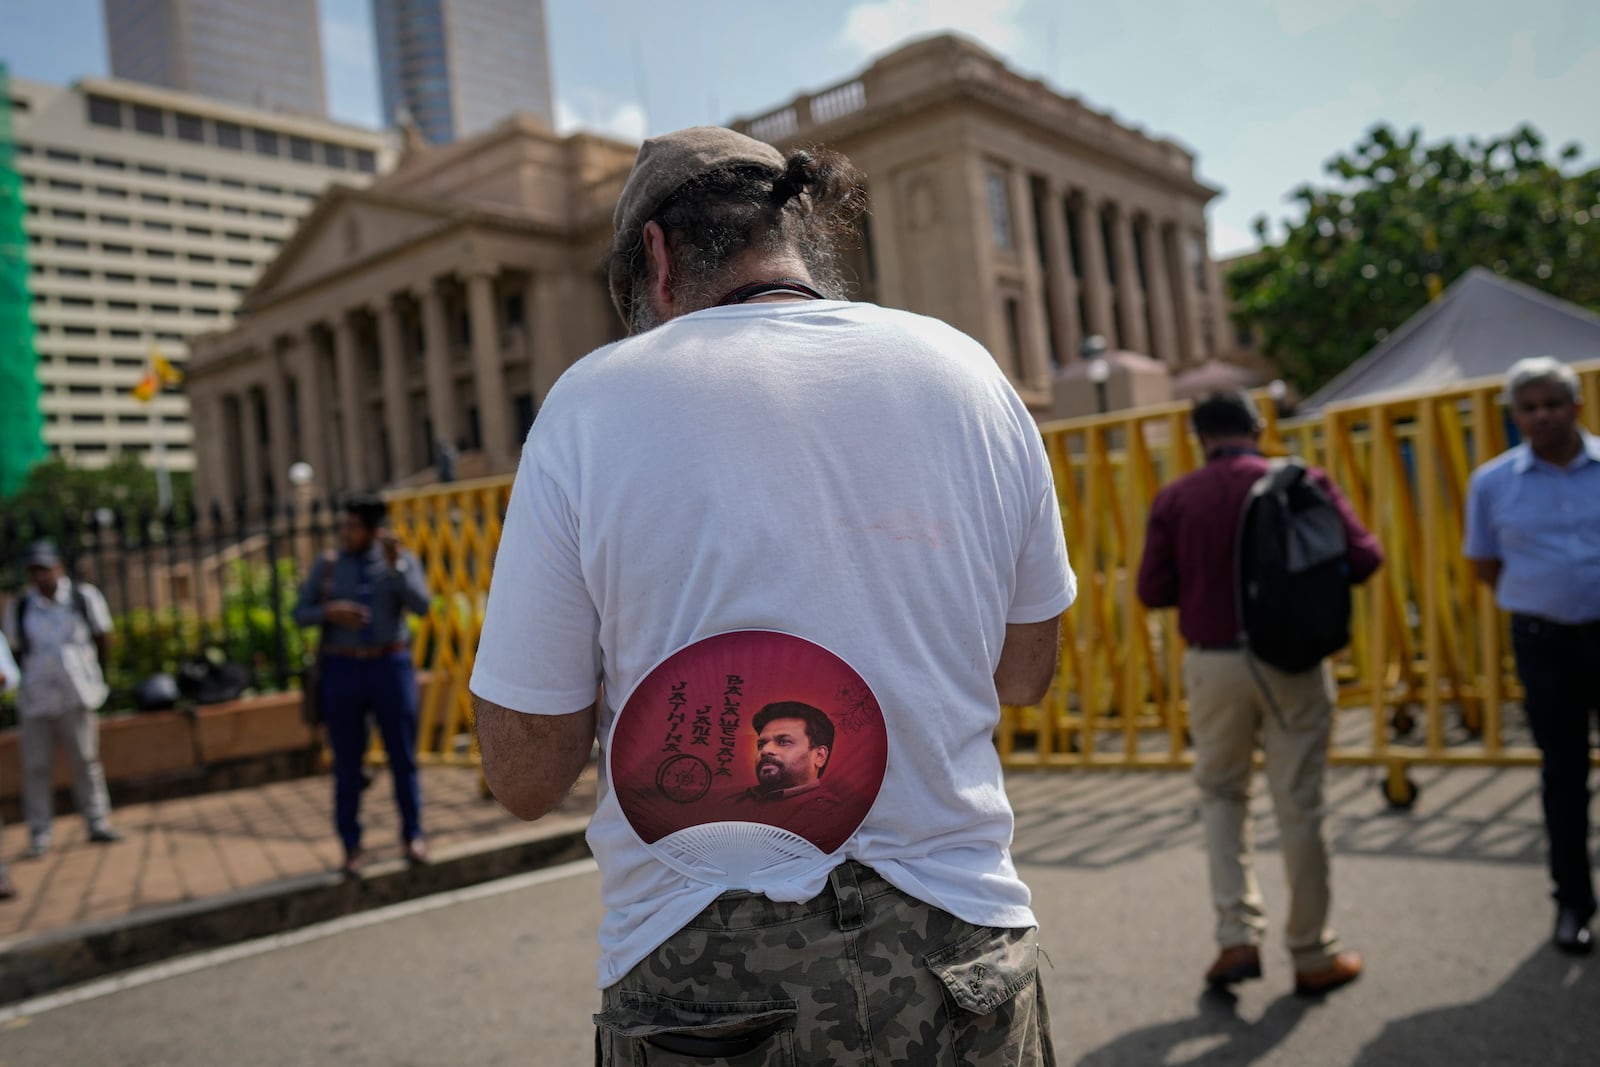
(183, 586)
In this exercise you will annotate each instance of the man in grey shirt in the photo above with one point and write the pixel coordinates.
(359, 597)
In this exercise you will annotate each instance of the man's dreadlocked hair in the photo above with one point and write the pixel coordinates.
(810, 208)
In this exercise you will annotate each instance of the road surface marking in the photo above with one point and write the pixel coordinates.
(18, 1014)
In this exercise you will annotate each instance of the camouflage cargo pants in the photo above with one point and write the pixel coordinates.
(860, 975)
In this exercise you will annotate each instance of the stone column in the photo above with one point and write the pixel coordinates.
(250, 456)
(1034, 359)
(1130, 296)
(277, 386)
(438, 364)
(549, 351)
(1059, 277)
(396, 389)
(1222, 325)
(212, 484)
(354, 466)
(1186, 295)
(494, 407)
(1164, 336)
(1096, 279)
(312, 444)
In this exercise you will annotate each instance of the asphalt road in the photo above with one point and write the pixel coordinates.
(1448, 906)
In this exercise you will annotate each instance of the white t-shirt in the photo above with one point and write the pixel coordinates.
(862, 478)
(61, 671)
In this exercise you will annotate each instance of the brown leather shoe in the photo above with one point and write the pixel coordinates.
(1343, 969)
(1235, 964)
(351, 867)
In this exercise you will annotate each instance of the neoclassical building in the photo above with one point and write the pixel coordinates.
(442, 302)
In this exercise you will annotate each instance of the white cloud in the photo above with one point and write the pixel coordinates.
(874, 26)
(593, 111)
(1299, 17)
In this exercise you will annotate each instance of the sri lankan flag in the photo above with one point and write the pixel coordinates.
(158, 374)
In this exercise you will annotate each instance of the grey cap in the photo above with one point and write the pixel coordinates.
(663, 166)
(41, 554)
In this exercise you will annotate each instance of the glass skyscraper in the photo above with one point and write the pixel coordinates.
(459, 66)
(264, 53)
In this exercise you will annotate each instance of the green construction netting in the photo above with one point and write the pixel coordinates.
(21, 443)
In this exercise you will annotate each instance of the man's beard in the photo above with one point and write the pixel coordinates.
(782, 780)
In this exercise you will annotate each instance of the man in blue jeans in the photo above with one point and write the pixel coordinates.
(1533, 535)
(359, 598)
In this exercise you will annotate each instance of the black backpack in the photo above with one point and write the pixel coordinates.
(1294, 580)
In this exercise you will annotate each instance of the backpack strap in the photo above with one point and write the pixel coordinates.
(81, 602)
(19, 611)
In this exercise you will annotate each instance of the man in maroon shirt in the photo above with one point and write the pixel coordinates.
(1236, 702)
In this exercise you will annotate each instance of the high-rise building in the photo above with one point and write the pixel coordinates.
(457, 67)
(148, 213)
(265, 53)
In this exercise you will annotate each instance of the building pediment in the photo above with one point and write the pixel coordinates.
(346, 228)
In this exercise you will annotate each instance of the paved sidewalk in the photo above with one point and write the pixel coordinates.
(195, 849)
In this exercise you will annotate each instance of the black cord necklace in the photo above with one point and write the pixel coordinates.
(776, 285)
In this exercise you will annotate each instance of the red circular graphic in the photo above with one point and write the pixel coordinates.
(684, 750)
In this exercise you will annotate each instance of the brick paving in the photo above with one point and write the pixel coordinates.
(194, 848)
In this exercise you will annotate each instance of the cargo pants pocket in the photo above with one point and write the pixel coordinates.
(995, 1013)
(638, 1029)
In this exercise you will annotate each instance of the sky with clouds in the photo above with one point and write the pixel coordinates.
(1263, 91)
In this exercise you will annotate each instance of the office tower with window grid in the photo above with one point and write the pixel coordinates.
(148, 213)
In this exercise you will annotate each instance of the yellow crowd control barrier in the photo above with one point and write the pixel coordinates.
(454, 530)
(1430, 649)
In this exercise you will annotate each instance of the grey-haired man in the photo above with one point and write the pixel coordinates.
(764, 455)
(1533, 535)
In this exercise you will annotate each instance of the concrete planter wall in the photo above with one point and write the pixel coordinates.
(137, 748)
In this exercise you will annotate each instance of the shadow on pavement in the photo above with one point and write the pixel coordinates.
(1100, 820)
(1546, 1012)
(1214, 1037)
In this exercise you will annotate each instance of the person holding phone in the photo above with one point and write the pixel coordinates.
(360, 605)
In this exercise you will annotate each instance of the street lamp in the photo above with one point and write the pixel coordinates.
(1098, 371)
(1277, 389)
(300, 474)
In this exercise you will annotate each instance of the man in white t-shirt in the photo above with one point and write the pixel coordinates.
(60, 631)
(769, 494)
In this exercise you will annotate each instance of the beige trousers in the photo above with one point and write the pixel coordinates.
(1236, 705)
(78, 733)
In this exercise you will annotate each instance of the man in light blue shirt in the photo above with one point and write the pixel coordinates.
(1533, 535)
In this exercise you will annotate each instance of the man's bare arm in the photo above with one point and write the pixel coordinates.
(1488, 571)
(1028, 661)
(532, 761)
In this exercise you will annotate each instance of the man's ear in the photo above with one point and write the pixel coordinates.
(660, 256)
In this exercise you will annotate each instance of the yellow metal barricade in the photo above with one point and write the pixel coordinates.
(1429, 647)
(454, 530)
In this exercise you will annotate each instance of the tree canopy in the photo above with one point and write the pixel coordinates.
(1401, 219)
(56, 487)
